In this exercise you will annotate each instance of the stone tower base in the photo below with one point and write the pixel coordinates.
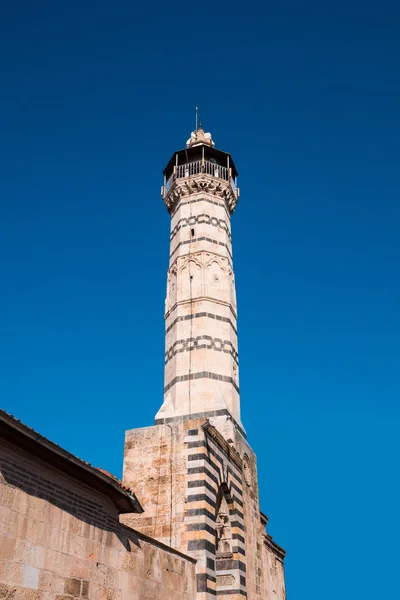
(200, 496)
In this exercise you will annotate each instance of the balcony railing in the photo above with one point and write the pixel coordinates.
(196, 168)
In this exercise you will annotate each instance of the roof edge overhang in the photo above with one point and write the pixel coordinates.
(25, 438)
(193, 150)
(274, 547)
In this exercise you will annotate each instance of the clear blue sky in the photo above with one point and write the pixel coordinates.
(94, 98)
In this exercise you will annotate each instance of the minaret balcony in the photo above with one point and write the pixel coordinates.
(200, 174)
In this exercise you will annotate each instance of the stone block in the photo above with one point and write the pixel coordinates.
(37, 557)
(46, 581)
(31, 577)
(7, 496)
(73, 587)
(112, 577)
(85, 589)
(51, 560)
(80, 568)
(113, 594)
(26, 594)
(7, 547)
(8, 520)
(7, 592)
(11, 573)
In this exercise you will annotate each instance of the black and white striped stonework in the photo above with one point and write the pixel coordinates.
(211, 467)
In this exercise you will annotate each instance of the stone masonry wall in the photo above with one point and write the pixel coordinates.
(59, 540)
(274, 577)
(251, 515)
(178, 471)
(155, 467)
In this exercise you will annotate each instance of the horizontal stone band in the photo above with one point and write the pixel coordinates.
(199, 220)
(201, 375)
(200, 315)
(184, 203)
(202, 239)
(204, 415)
(208, 343)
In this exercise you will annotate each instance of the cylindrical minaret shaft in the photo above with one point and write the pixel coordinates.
(201, 352)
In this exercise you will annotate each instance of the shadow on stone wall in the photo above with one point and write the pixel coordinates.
(101, 514)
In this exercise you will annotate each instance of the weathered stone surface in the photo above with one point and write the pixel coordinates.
(195, 461)
(73, 587)
(225, 580)
(68, 555)
(85, 589)
(7, 547)
(7, 592)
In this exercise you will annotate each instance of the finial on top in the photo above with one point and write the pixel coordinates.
(198, 136)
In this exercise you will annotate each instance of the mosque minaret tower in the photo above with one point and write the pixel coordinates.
(201, 350)
(194, 471)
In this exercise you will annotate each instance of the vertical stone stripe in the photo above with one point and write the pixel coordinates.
(231, 573)
(208, 467)
(202, 483)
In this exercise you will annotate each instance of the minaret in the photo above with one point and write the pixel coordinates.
(194, 471)
(201, 349)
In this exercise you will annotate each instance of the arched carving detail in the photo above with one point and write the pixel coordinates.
(223, 529)
(172, 285)
(216, 280)
(190, 258)
(223, 262)
(191, 279)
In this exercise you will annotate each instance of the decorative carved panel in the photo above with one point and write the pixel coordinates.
(225, 580)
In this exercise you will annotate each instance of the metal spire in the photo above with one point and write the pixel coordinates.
(198, 122)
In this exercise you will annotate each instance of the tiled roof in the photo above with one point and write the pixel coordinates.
(36, 444)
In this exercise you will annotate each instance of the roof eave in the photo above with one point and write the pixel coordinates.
(182, 150)
(34, 443)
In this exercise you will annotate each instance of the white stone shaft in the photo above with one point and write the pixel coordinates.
(201, 349)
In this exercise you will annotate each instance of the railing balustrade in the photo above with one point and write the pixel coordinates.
(168, 184)
(196, 168)
(192, 168)
(215, 170)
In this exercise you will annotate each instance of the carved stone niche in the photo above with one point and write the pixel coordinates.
(223, 532)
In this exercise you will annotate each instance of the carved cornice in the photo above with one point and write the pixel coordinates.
(269, 542)
(263, 519)
(217, 437)
(196, 184)
(274, 547)
(222, 555)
